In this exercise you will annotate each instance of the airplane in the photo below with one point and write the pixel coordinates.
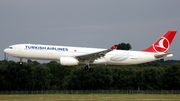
(69, 56)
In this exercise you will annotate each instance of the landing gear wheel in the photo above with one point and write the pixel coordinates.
(86, 67)
(90, 69)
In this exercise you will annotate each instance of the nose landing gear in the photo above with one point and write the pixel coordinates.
(20, 62)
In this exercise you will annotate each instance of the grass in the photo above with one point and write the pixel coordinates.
(90, 97)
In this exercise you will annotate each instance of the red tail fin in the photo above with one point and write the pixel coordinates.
(162, 44)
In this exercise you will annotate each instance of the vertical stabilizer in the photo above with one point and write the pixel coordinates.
(163, 43)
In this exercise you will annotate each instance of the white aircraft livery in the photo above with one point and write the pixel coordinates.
(69, 56)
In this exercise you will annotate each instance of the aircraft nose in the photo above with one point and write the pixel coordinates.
(5, 50)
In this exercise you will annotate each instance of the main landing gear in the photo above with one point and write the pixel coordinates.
(87, 67)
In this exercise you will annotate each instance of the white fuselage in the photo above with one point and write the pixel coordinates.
(50, 52)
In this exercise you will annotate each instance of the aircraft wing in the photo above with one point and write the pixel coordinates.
(160, 56)
(92, 56)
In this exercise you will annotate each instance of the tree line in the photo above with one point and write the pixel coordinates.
(158, 75)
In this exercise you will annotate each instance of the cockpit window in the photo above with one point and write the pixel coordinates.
(10, 47)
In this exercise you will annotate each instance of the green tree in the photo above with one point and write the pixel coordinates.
(3, 75)
(172, 76)
(41, 77)
(36, 76)
(124, 46)
(124, 78)
(152, 78)
(100, 78)
(59, 74)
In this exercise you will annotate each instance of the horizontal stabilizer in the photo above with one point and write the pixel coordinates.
(159, 56)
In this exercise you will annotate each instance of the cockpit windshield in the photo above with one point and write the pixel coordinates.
(10, 47)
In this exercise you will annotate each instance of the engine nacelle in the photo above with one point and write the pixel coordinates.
(68, 61)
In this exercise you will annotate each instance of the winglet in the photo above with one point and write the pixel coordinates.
(114, 47)
(162, 44)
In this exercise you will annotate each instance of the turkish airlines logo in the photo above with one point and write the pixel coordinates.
(162, 45)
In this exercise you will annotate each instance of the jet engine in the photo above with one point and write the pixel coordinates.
(68, 61)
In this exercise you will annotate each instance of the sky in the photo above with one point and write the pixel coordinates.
(88, 23)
